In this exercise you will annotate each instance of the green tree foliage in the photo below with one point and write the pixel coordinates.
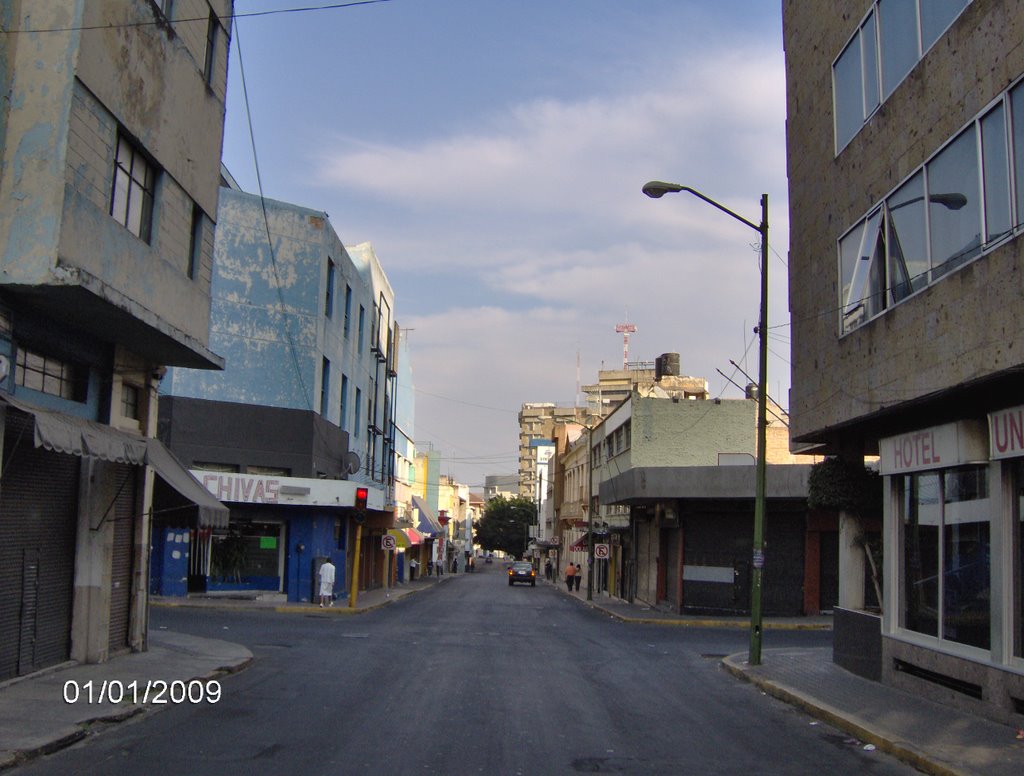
(505, 524)
(842, 485)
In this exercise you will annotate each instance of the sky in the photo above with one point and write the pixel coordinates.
(494, 151)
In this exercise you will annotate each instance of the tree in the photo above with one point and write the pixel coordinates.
(505, 524)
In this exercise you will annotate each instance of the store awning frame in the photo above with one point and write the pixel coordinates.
(71, 435)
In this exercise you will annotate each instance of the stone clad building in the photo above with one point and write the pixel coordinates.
(906, 167)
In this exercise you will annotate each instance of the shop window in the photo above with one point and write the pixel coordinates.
(946, 555)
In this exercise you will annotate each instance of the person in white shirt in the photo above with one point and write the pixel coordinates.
(327, 583)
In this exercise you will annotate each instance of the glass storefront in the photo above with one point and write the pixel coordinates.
(947, 555)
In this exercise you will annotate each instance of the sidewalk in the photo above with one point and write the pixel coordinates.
(931, 737)
(54, 708)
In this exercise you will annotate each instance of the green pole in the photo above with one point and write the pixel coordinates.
(757, 562)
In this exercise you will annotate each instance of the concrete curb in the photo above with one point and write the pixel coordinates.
(841, 721)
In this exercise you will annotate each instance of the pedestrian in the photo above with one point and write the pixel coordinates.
(472, 564)
(413, 565)
(430, 567)
(547, 569)
(455, 565)
(327, 583)
(579, 575)
(570, 574)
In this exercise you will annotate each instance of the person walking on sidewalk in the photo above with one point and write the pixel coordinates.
(578, 576)
(327, 583)
(570, 573)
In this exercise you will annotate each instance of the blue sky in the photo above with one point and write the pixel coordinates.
(493, 152)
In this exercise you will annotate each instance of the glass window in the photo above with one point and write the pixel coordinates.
(195, 245)
(956, 572)
(51, 375)
(131, 203)
(210, 64)
(936, 16)
(907, 239)
(921, 517)
(129, 401)
(966, 557)
(869, 47)
(849, 93)
(1017, 135)
(358, 410)
(953, 208)
(995, 174)
(362, 327)
(862, 256)
(1018, 555)
(898, 33)
(329, 292)
(343, 423)
(325, 379)
(348, 309)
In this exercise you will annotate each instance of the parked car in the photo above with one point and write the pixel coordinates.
(522, 572)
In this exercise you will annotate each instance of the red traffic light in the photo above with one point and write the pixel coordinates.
(361, 494)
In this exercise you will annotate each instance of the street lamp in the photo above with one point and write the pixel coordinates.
(656, 189)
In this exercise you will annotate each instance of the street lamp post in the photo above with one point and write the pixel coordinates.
(656, 189)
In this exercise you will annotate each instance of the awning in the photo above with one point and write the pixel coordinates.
(580, 544)
(212, 513)
(414, 536)
(427, 524)
(401, 540)
(72, 435)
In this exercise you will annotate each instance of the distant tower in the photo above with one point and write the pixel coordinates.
(625, 329)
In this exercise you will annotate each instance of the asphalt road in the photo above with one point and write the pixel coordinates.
(470, 677)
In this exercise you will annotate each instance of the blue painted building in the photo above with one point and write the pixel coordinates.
(305, 407)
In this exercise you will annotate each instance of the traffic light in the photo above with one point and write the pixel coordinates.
(361, 494)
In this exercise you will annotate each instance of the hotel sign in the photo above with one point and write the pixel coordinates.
(950, 444)
(1006, 433)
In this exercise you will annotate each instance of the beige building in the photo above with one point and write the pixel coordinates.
(906, 173)
(111, 123)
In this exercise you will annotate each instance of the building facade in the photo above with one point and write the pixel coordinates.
(906, 172)
(111, 122)
(307, 399)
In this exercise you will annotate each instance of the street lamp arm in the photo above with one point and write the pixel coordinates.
(657, 189)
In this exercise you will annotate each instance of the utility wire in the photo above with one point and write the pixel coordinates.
(160, 21)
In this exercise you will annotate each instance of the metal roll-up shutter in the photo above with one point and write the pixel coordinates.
(38, 526)
(122, 557)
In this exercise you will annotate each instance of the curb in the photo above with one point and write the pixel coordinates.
(702, 623)
(837, 719)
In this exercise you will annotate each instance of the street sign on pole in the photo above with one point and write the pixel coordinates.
(601, 551)
(387, 542)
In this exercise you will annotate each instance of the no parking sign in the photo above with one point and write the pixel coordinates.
(601, 551)
(387, 542)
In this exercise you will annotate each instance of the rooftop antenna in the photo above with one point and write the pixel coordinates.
(625, 329)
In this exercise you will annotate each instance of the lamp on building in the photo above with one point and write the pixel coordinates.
(656, 189)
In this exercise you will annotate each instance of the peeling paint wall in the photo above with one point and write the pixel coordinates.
(269, 316)
(68, 96)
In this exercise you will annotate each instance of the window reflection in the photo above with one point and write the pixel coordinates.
(936, 16)
(908, 246)
(898, 31)
(955, 234)
(996, 174)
